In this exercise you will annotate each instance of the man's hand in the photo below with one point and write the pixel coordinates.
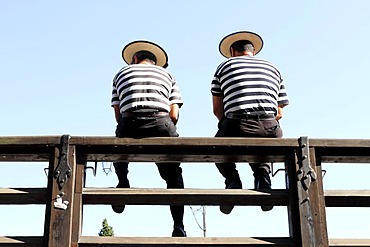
(218, 107)
(279, 114)
(117, 113)
(174, 113)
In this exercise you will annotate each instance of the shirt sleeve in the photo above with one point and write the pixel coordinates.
(216, 87)
(175, 95)
(115, 99)
(283, 96)
(216, 82)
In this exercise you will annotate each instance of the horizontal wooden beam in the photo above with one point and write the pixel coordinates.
(87, 241)
(29, 141)
(140, 196)
(342, 242)
(353, 160)
(347, 198)
(21, 157)
(14, 196)
(184, 158)
(339, 143)
(184, 196)
(183, 141)
(91, 241)
(32, 241)
(167, 149)
(184, 149)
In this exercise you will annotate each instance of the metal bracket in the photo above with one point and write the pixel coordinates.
(273, 173)
(63, 170)
(305, 174)
(93, 168)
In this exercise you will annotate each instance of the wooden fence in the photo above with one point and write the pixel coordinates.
(304, 196)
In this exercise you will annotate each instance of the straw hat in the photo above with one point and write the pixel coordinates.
(142, 45)
(226, 42)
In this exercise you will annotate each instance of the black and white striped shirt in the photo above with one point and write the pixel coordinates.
(145, 86)
(249, 84)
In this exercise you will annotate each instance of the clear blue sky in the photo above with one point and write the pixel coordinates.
(58, 58)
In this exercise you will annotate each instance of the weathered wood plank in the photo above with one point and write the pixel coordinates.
(334, 143)
(347, 198)
(342, 242)
(89, 241)
(78, 204)
(136, 196)
(29, 140)
(165, 156)
(342, 150)
(316, 196)
(32, 241)
(60, 222)
(182, 141)
(24, 157)
(184, 149)
(294, 220)
(23, 196)
(27, 148)
(354, 160)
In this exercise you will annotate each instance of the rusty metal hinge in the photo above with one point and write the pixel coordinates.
(305, 173)
(63, 170)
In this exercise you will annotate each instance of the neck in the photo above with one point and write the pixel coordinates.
(146, 62)
(245, 53)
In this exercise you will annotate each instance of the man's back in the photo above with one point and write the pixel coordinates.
(249, 83)
(140, 85)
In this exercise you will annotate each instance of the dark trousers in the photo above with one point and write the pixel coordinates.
(170, 172)
(228, 127)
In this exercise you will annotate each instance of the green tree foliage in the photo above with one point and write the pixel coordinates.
(106, 230)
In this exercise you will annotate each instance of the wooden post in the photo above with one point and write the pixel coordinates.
(78, 206)
(59, 209)
(293, 207)
(316, 193)
(306, 209)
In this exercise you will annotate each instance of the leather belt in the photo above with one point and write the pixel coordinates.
(144, 114)
(250, 116)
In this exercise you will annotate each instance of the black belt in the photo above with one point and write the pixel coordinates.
(250, 116)
(144, 114)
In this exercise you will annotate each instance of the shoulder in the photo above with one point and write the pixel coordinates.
(226, 63)
(264, 61)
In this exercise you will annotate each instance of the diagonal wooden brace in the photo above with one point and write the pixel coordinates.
(63, 170)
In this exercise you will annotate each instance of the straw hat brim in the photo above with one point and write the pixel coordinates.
(226, 42)
(142, 45)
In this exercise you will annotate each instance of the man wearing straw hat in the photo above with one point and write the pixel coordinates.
(248, 96)
(146, 101)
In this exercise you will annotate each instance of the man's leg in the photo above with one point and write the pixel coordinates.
(231, 175)
(172, 174)
(229, 172)
(262, 180)
(121, 169)
(232, 181)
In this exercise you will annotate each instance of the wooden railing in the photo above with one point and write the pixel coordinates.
(304, 196)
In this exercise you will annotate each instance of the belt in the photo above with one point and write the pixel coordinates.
(250, 116)
(144, 114)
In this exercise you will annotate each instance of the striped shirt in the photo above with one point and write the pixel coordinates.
(249, 84)
(144, 86)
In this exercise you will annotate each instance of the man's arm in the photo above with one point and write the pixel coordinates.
(279, 114)
(117, 113)
(218, 107)
(174, 113)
